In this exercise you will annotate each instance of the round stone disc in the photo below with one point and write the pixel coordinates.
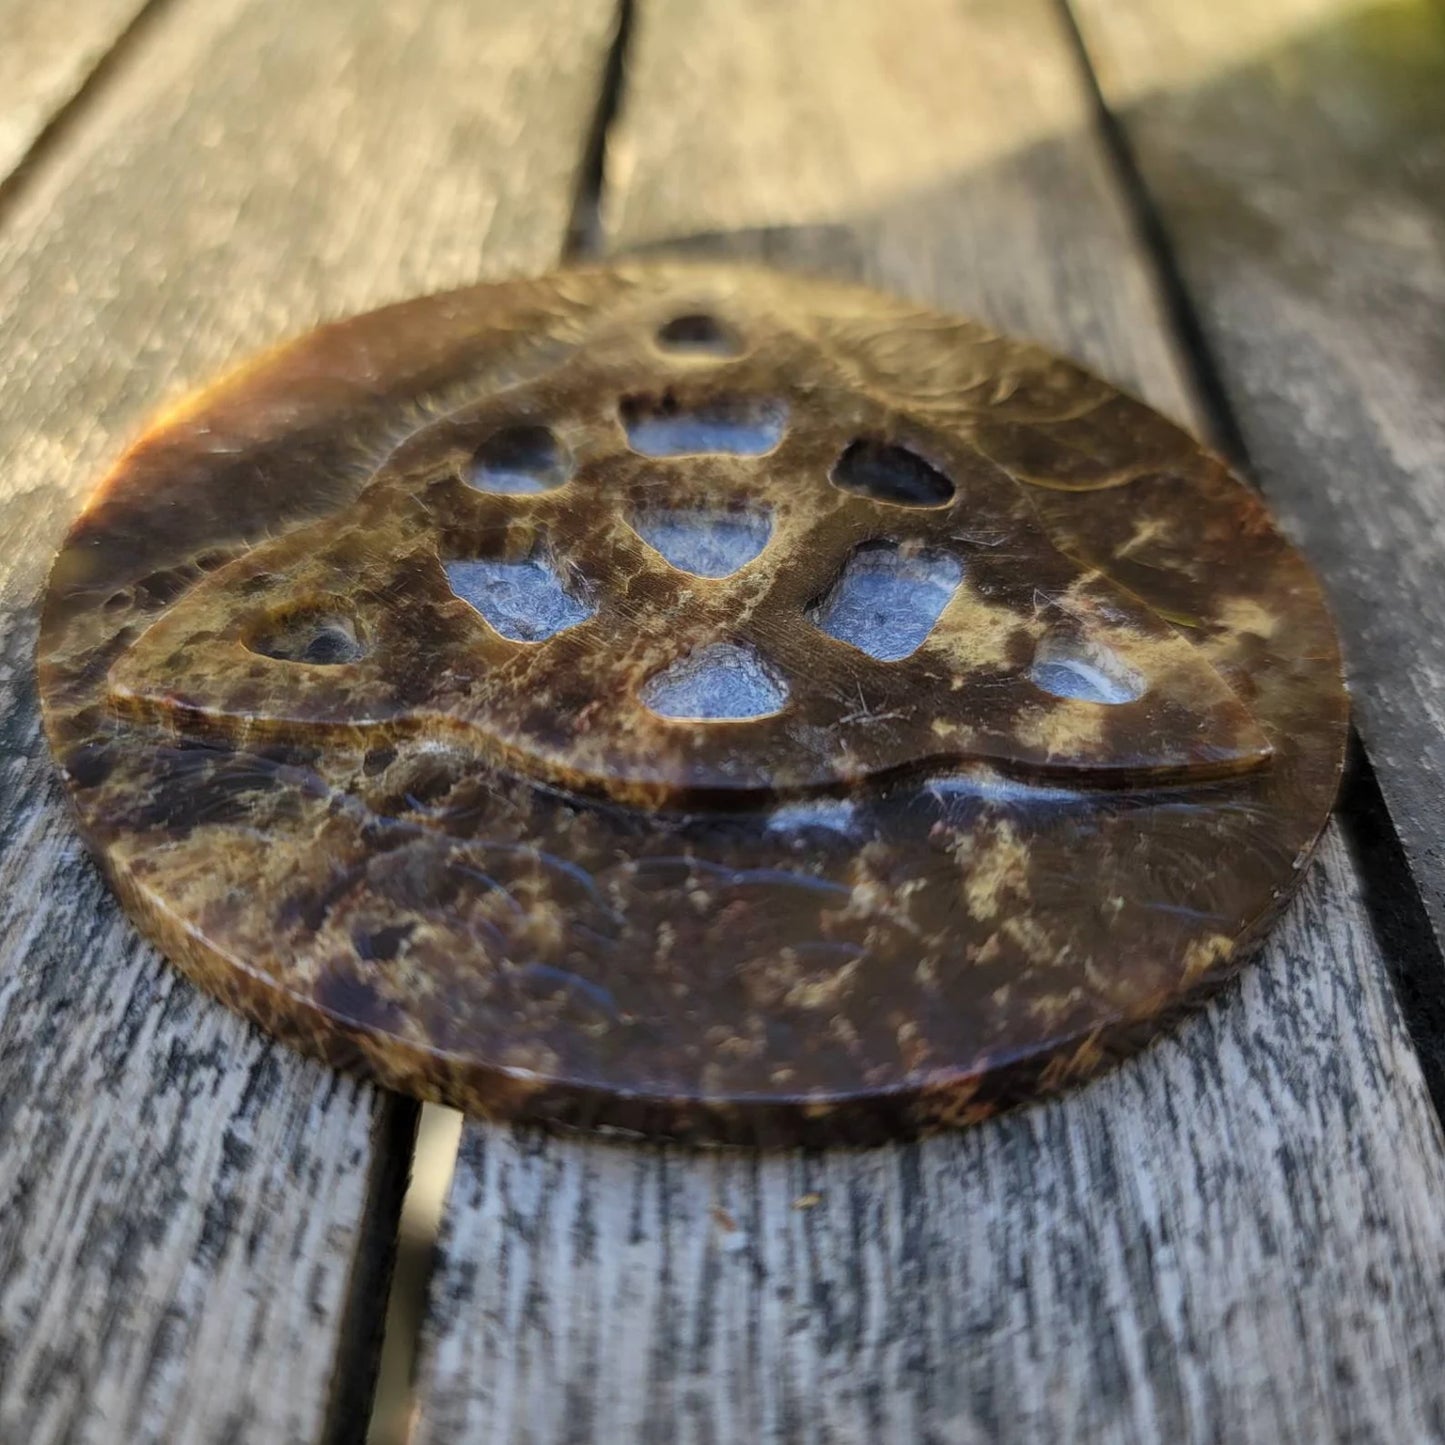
(691, 701)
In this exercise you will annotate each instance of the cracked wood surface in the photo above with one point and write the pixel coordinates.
(1234, 1236)
(196, 1224)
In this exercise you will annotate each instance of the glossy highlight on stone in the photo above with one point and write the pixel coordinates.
(691, 701)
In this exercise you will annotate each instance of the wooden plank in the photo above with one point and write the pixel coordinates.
(1295, 153)
(47, 52)
(195, 1224)
(1234, 1236)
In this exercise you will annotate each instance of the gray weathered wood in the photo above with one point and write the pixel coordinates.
(194, 1223)
(1235, 1236)
(1296, 155)
(47, 51)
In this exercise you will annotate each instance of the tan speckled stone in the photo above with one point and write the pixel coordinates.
(480, 867)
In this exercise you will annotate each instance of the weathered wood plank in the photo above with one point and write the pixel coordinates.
(1236, 1235)
(194, 1223)
(1295, 153)
(46, 53)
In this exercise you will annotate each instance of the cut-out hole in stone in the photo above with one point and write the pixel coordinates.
(519, 460)
(719, 683)
(1071, 666)
(889, 473)
(525, 601)
(316, 637)
(737, 426)
(698, 334)
(706, 541)
(888, 598)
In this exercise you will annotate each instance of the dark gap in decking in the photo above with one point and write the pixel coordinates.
(584, 230)
(392, 1303)
(363, 1312)
(1398, 914)
(1183, 320)
(51, 136)
(393, 1134)
(400, 1310)
(1392, 898)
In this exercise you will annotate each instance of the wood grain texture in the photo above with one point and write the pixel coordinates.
(1236, 1235)
(47, 51)
(1295, 153)
(194, 1223)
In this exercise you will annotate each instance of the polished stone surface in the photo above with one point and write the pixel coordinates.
(694, 701)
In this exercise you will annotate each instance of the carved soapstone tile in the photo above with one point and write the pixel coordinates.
(691, 701)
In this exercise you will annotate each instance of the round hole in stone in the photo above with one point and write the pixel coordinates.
(887, 472)
(698, 334)
(1075, 667)
(888, 598)
(526, 601)
(317, 637)
(664, 426)
(725, 682)
(706, 541)
(520, 459)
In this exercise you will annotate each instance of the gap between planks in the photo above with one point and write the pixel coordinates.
(1390, 893)
(439, 1133)
(56, 59)
(1289, 159)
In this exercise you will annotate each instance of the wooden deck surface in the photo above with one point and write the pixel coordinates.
(1235, 210)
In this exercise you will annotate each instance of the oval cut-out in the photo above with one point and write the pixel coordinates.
(886, 472)
(316, 637)
(736, 426)
(888, 598)
(524, 601)
(1070, 666)
(724, 682)
(519, 460)
(698, 334)
(706, 541)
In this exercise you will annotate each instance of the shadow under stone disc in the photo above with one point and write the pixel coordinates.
(692, 701)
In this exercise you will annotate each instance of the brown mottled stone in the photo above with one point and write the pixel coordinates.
(481, 868)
